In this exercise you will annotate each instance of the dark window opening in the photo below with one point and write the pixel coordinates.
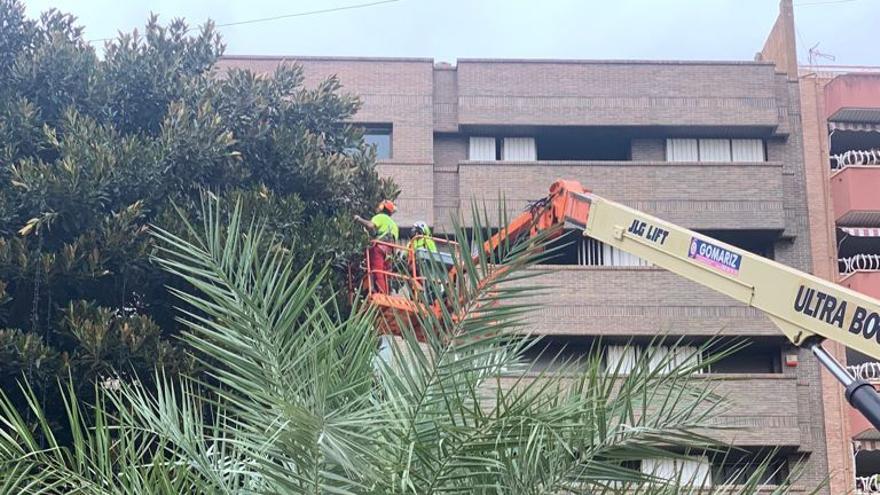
(754, 358)
(855, 253)
(758, 242)
(552, 352)
(380, 138)
(856, 358)
(867, 462)
(740, 467)
(843, 141)
(564, 250)
(573, 249)
(582, 144)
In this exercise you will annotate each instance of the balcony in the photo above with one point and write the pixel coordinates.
(763, 409)
(864, 281)
(867, 459)
(854, 193)
(853, 98)
(867, 485)
(636, 301)
(722, 195)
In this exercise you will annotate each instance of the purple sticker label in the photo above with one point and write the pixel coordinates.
(717, 257)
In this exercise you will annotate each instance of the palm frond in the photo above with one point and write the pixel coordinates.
(296, 399)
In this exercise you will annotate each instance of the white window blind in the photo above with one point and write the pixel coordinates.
(519, 149)
(662, 359)
(748, 150)
(715, 150)
(681, 150)
(695, 472)
(621, 359)
(685, 355)
(658, 358)
(595, 253)
(482, 148)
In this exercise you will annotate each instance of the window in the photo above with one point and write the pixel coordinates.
(736, 468)
(575, 249)
(623, 359)
(507, 148)
(380, 137)
(582, 144)
(554, 352)
(752, 359)
(760, 242)
(714, 150)
(748, 150)
(518, 149)
(682, 150)
(696, 471)
(596, 253)
(482, 148)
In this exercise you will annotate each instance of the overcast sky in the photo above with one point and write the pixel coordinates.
(450, 29)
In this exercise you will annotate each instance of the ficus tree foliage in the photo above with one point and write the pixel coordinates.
(96, 148)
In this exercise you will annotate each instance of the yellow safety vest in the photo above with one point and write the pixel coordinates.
(385, 226)
(425, 243)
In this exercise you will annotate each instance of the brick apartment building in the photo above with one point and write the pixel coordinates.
(841, 121)
(713, 146)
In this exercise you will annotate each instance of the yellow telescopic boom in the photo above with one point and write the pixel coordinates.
(806, 308)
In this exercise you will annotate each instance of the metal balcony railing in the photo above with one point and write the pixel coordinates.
(868, 484)
(866, 371)
(859, 262)
(856, 158)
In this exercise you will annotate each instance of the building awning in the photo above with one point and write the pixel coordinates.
(862, 231)
(866, 445)
(867, 440)
(854, 126)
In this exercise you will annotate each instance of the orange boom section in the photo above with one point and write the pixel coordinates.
(567, 205)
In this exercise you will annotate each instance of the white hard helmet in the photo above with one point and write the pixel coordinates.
(421, 227)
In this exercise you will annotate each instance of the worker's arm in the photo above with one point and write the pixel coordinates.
(370, 226)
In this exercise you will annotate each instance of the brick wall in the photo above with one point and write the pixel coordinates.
(694, 195)
(449, 150)
(767, 417)
(394, 91)
(823, 247)
(433, 109)
(626, 301)
(612, 93)
(780, 44)
(651, 150)
(445, 99)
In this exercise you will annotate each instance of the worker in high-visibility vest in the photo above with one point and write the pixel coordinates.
(423, 238)
(429, 265)
(385, 229)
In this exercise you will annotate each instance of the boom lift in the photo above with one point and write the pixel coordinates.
(806, 309)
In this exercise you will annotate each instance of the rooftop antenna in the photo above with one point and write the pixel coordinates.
(815, 55)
